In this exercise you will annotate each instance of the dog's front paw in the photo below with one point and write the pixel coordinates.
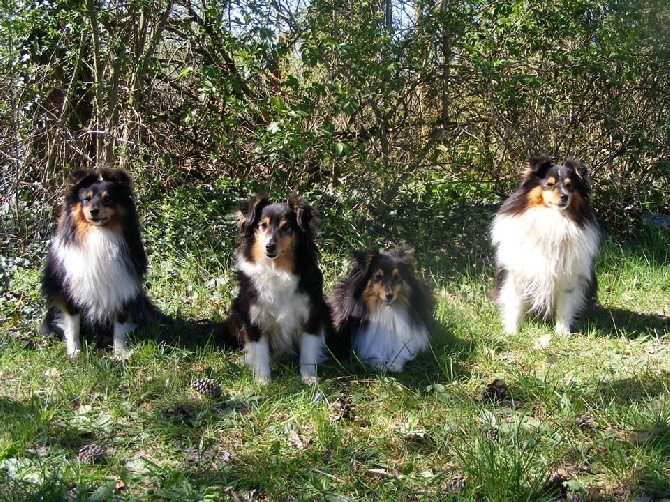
(395, 366)
(122, 353)
(382, 366)
(562, 329)
(310, 379)
(262, 379)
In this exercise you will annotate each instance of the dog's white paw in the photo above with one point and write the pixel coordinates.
(562, 329)
(262, 380)
(122, 354)
(310, 379)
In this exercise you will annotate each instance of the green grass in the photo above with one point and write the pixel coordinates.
(585, 417)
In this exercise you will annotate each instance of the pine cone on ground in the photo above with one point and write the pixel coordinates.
(342, 408)
(91, 454)
(207, 386)
(586, 422)
(496, 391)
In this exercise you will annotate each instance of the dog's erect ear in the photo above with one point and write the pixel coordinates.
(363, 259)
(304, 213)
(81, 175)
(118, 176)
(404, 254)
(250, 211)
(578, 168)
(79, 179)
(538, 165)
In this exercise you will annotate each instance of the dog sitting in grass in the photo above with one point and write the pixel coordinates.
(546, 240)
(382, 310)
(93, 275)
(280, 308)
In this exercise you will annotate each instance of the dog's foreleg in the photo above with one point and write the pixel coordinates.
(71, 329)
(312, 348)
(257, 357)
(512, 306)
(569, 300)
(121, 329)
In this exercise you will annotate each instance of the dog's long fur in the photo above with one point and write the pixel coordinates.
(382, 311)
(546, 241)
(280, 307)
(92, 279)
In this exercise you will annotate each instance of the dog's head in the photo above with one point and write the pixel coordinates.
(99, 198)
(383, 277)
(274, 229)
(557, 186)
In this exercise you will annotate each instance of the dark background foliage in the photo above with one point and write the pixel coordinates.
(404, 120)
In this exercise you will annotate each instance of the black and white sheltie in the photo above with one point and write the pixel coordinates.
(280, 308)
(382, 310)
(93, 275)
(546, 240)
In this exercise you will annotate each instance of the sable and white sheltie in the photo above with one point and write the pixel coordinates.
(546, 240)
(93, 275)
(382, 310)
(280, 308)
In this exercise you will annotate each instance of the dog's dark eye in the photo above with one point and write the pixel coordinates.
(550, 184)
(262, 225)
(88, 198)
(286, 228)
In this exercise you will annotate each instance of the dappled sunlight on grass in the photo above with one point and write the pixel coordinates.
(532, 415)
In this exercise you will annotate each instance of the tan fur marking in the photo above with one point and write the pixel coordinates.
(536, 197)
(81, 224)
(372, 294)
(402, 294)
(552, 196)
(257, 250)
(286, 261)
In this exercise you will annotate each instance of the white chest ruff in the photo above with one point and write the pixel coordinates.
(543, 250)
(280, 310)
(390, 339)
(99, 275)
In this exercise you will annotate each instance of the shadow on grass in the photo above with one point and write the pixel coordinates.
(188, 334)
(443, 362)
(183, 333)
(615, 321)
(638, 388)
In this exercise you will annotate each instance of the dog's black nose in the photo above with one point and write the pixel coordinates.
(564, 197)
(388, 296)
(271, 248)
(95, 211)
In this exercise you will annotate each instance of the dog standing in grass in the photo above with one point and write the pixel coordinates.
(546, 241)
(280, 308)
(93, 275)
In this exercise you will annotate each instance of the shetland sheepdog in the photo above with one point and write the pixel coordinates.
(382, 310)
(280, 308)
(93, 275)
(546, 240)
